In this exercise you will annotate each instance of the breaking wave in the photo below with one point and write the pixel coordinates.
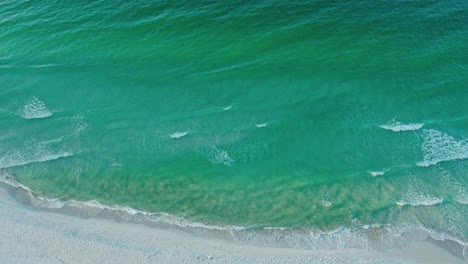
(177, 135)
(421, 201)
(396, 126)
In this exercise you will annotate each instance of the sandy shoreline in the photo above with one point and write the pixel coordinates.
(30, 235)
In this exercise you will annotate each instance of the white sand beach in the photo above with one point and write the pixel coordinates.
(30, 235)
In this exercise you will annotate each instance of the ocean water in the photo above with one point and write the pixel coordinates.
(273, 115)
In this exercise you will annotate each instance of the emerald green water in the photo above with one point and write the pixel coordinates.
(248, 113)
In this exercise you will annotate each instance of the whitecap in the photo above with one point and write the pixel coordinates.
(376, 173)
(326, 203)
(396, 126)
(261, 125)
(438, 147)
(35, 109)
(228, 107)
(178, 134)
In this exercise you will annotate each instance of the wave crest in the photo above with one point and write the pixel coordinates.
(396, 126)
(422, 201)
(177, 135)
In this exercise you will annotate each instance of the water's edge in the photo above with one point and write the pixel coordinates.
(370, 237)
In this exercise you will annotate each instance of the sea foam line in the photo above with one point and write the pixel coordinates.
(360, 237)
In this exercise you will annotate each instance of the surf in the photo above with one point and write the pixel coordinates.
(396, 126)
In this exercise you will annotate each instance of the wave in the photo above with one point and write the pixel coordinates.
(261, 125)
(15, 159)
(35, 109)
(416, 195)
(370, 236)
(38, 66)
(376, 173)
(396, 126)
(438, 147)
(177, 135)
(421, 201)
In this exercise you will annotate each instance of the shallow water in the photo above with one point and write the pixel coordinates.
(306, 115)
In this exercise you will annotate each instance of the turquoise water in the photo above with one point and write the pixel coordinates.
(300, 114)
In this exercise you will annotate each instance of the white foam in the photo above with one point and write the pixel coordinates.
(228, 107)
(219, 156)
(261, 125)
(438, 147)
(178, 134)
(396, 126)
(420, 200)
(376, 173)
(35, 109)
(326, 203)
